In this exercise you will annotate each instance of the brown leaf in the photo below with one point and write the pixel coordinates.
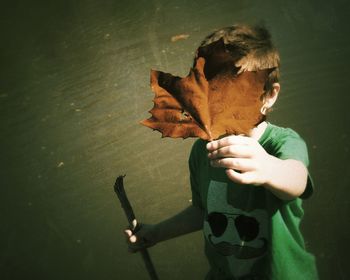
(171, 112)
(212, 101)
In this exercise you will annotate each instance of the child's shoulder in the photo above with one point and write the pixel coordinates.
(285, 143)
(277, 133)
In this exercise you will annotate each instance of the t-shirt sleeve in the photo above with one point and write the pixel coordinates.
(193, 167)
(292, 146)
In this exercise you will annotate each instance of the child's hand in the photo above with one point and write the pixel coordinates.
(245, 160)
(141, 239)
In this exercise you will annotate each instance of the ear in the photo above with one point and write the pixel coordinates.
(270, 98)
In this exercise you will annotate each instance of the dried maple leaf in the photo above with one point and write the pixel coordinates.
(213, 100)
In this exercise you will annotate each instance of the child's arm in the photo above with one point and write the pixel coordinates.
(248, 163)
(188, 220)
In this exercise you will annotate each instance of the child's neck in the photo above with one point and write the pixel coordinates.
(258, 131)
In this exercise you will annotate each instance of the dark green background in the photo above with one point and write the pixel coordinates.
(74, 83)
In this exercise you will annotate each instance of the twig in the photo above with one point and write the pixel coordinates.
(124, 201)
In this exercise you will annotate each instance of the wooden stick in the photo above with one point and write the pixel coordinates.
(124, 201)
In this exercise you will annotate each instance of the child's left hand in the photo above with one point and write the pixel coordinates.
(245, 160)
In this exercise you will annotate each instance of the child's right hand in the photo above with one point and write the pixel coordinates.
(141, 239)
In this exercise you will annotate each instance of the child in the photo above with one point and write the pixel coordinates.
(247, 191)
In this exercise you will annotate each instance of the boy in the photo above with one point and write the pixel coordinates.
(246, 190)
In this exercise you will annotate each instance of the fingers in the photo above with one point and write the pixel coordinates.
(228, 141)
(241, 164)
(132, 240)
(240, 178)
(242, 157)
(130, 236)
(139, 238)
(238, 151)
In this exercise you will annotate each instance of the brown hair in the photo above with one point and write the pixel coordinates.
(253, 48)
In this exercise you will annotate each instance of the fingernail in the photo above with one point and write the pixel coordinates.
(133, 239)
(208, 146)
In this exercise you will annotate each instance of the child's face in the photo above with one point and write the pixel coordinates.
(219, 62)
(213, 100)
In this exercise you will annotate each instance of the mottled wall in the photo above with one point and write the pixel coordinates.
(74, 83)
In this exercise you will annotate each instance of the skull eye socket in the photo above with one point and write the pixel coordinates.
(218, 223)
(247, 227)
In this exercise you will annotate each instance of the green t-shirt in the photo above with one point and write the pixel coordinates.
(249, 232)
